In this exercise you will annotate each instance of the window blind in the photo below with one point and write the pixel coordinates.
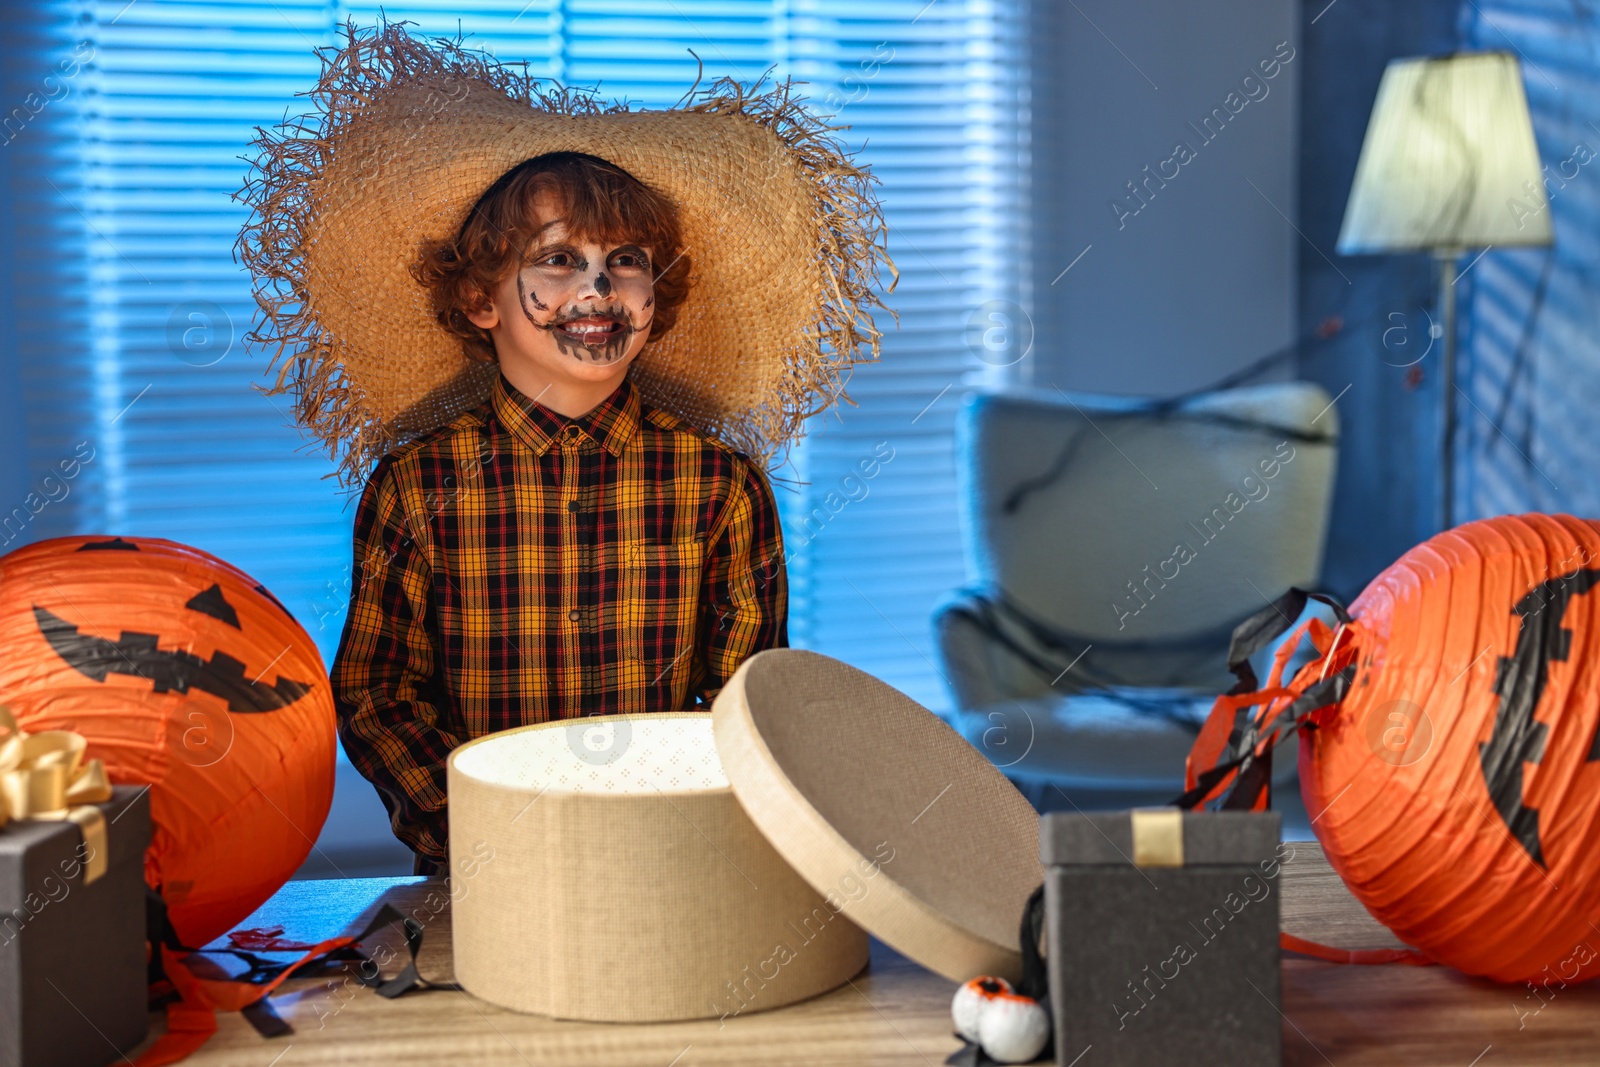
(137, 348)
(1531, 329)
(150, 367)
(935, 98)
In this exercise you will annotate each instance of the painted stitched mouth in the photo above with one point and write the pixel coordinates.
(593, 331)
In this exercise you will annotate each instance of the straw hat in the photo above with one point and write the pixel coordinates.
(784, 230)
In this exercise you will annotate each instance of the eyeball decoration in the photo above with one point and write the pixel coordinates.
(1009, 1027)
(1013, 1028)
(970, 1000)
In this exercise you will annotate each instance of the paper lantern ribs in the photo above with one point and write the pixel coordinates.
(186, 675)
(1451, 746)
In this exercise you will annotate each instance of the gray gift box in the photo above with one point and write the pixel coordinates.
(1162, 936)
(72, 956)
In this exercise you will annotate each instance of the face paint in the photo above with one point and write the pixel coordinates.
(526, 296)
(589, 299)
(593, 336)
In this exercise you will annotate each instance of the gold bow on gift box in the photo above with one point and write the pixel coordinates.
(44, 776)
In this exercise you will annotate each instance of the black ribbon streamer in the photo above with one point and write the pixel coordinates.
(408, 978)
(261, 970)
(1255, 771)
(1035, 983)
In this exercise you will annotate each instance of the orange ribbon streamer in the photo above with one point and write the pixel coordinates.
(1353, 955)
(192, 1020)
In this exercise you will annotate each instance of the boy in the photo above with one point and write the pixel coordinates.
(564, 549)
(482, 287)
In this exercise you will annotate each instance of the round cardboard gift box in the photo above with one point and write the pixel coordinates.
(649, 868)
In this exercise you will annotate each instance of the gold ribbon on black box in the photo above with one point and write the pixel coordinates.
(1157, 837)
(44, 776)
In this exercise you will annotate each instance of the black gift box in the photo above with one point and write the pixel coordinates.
(72, 956)
(1155, 964)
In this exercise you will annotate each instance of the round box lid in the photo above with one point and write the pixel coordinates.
(902, 825)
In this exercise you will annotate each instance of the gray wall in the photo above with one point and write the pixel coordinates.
(1208, 275)
(1384, 498)
(1201, 280)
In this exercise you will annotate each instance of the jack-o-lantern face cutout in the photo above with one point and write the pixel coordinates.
(184, 674)
(1520, 682)
(140, 655)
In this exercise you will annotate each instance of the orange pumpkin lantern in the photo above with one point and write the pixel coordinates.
(1450, 752)
(186, 675)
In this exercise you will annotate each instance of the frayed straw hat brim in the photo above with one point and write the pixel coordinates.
(783, 231)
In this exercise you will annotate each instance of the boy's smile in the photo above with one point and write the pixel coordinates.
(570, 319)
(598, 334)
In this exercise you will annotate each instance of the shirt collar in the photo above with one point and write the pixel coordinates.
(612, 423)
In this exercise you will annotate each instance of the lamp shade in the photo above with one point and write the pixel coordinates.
(1449, 160)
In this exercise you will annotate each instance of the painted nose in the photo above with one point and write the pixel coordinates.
(601, 285)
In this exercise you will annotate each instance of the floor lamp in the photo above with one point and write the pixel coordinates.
(1449, 163)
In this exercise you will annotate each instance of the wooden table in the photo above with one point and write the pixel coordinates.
(893, 1013)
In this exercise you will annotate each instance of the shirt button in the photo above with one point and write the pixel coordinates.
(574, 507)
(570, 432)
(574, 614)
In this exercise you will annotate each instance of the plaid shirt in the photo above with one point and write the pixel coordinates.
(517, 566)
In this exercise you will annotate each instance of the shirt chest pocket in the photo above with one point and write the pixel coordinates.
(658, 604)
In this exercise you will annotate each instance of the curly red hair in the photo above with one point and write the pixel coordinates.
(602, 202)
